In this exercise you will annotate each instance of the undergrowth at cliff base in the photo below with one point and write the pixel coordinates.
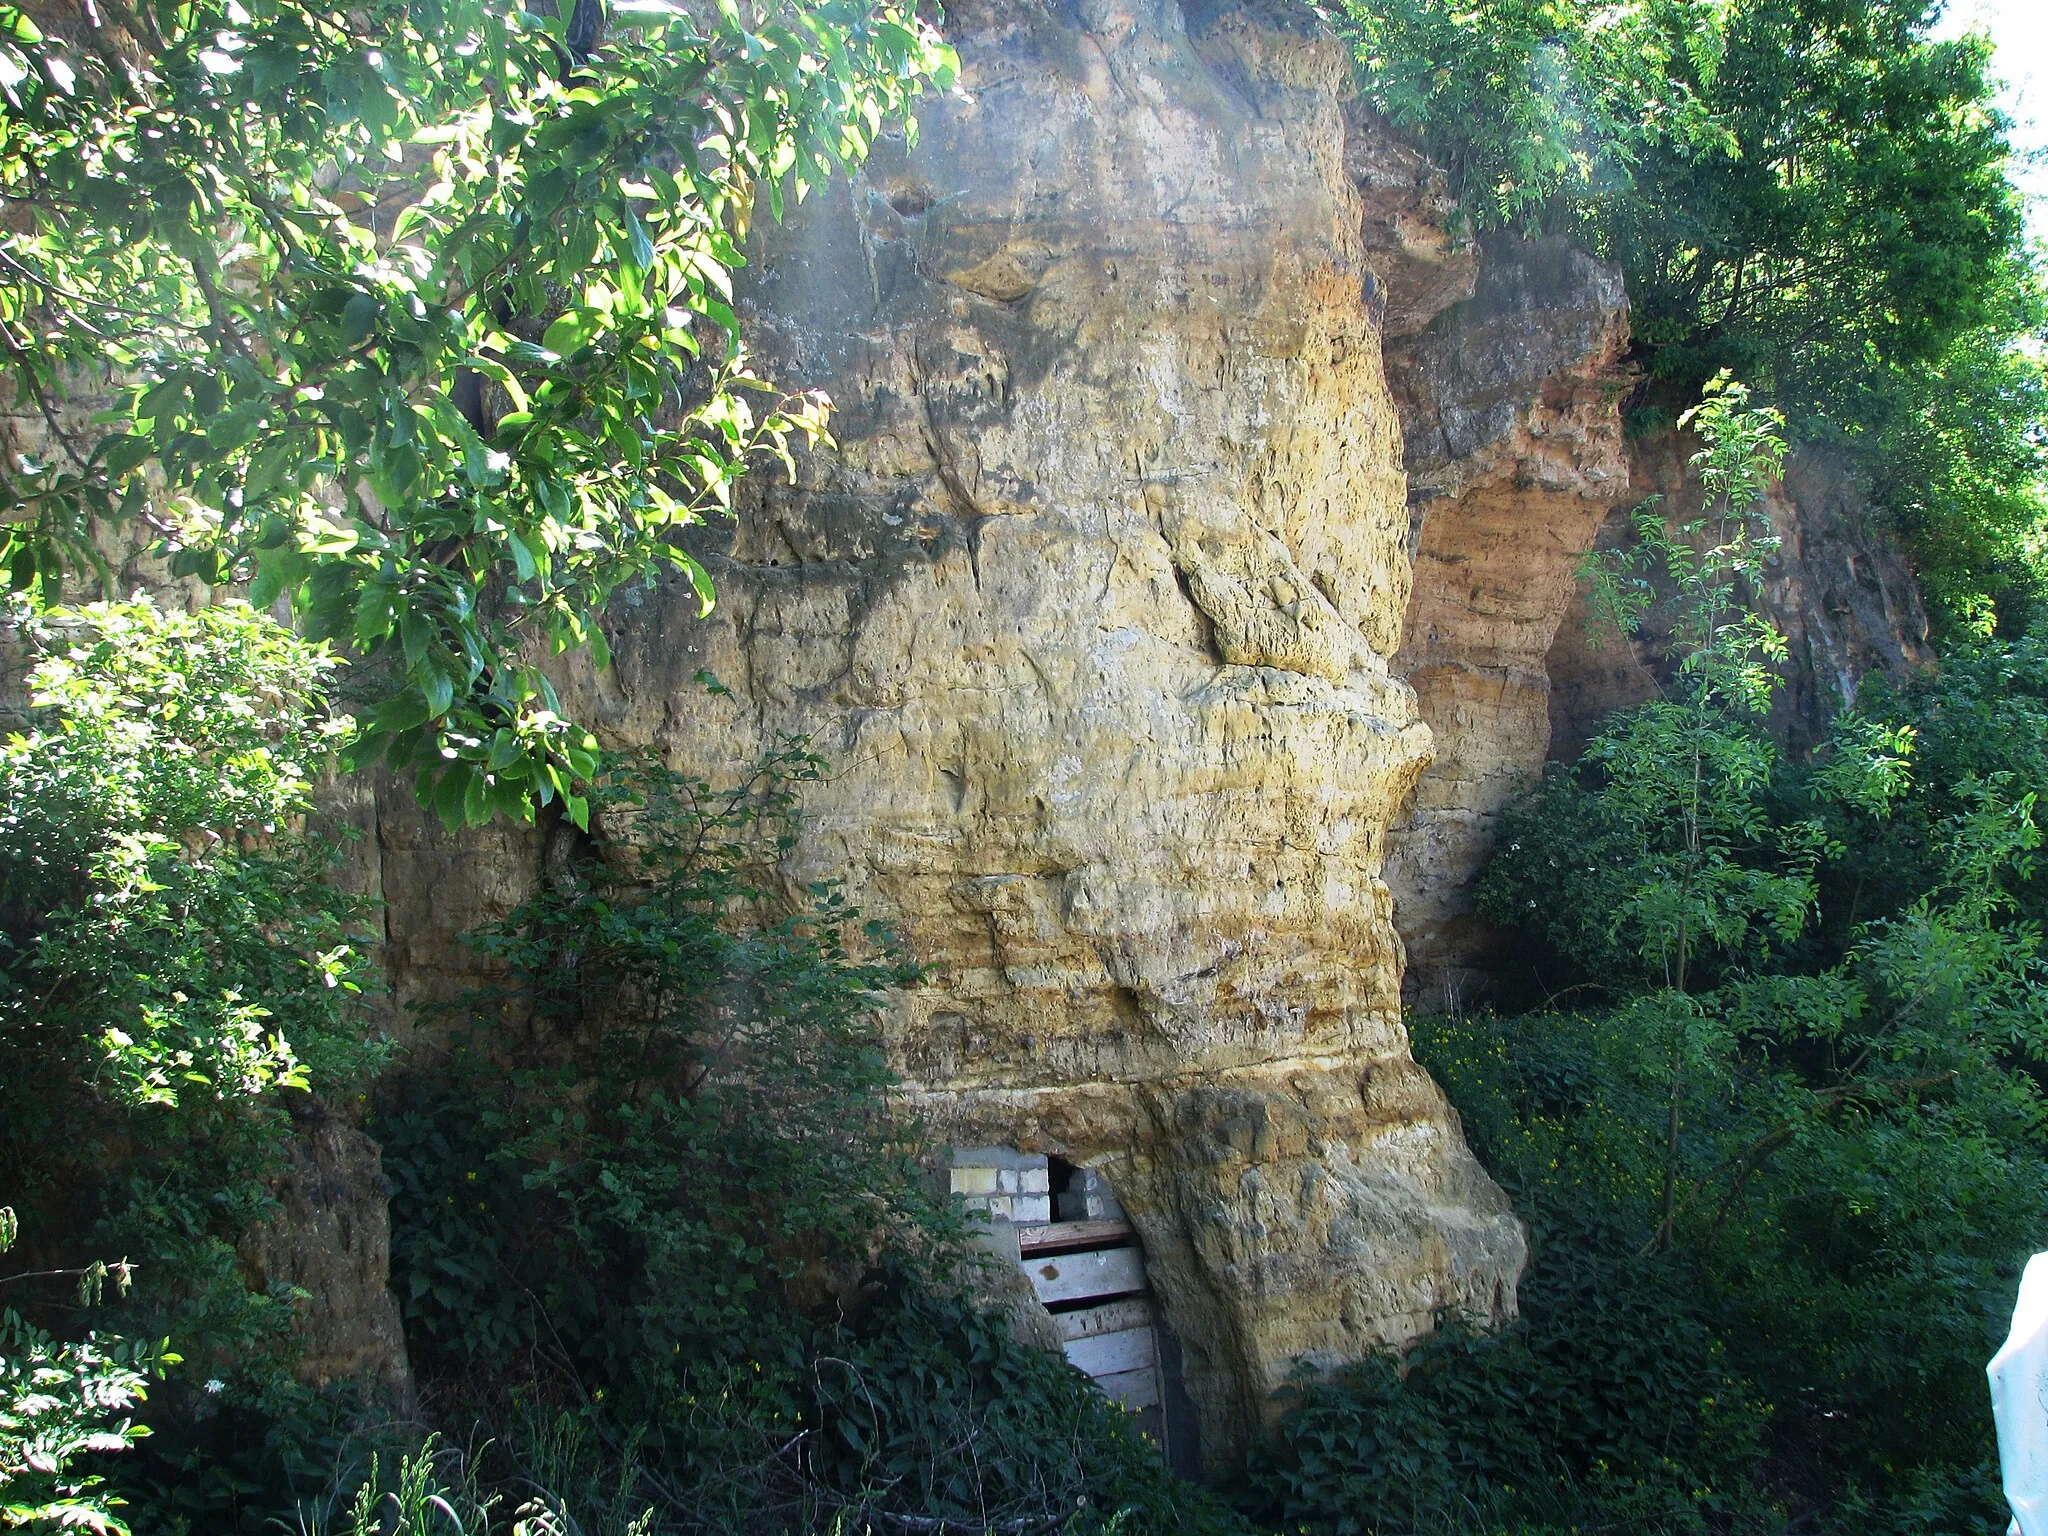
(663, 1244)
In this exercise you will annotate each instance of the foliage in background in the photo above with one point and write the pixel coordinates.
(1611, 1404)
(418, 315)
(1781, 1184)
(1854, 1131)
(1810, 193)
(1818, 1359)
(1957, 454)
(173, 965)
(659, 1231)
(1981, 720)
(60, 1402)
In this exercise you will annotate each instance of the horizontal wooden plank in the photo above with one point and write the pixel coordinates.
(1107, 1354)
(1079, 1276)
(1073, 1234)
(1134, 1389)
(1110, 1317)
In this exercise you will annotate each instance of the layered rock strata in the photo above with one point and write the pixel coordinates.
(1511, 406)
(1103, 611)
(1092, 611)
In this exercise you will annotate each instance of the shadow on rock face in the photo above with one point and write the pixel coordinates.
(331, 1238)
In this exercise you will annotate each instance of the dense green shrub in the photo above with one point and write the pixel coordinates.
(173, 964)
(1784, 1306)
(656, 1207)
(1612, 1402)
(1854, 1127)
(658, 1227)
(1981, 719)
(694, 1106)
(1955, 457)
(1854, 1287)
(62, 1402)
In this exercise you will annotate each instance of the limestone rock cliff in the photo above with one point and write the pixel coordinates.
(1093, 611)
(1190, 587)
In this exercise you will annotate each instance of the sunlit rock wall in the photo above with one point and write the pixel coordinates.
(1092, 612)
(1130, 643)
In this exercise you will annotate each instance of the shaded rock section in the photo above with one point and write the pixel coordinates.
(1510, 403)
(330, 1239)
(1838, 589)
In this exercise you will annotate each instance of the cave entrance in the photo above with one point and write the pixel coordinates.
(1086, 1265)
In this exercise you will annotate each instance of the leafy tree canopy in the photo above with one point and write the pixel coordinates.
(1811, 193)
(414, 315)
(1783, 179)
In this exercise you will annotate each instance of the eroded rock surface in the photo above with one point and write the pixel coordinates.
(1092, 611)
(1838, 589)
(1131, 642)
(1511, 402)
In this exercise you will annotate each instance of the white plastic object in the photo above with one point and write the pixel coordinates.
(2019, 1402)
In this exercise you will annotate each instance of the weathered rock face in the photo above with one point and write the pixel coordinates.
(1092, 612)
(1510, 402)
(1837, 589)
(331, 1237)
(1517, 464)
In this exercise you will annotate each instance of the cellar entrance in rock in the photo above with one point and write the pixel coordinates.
(1062, 1225)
